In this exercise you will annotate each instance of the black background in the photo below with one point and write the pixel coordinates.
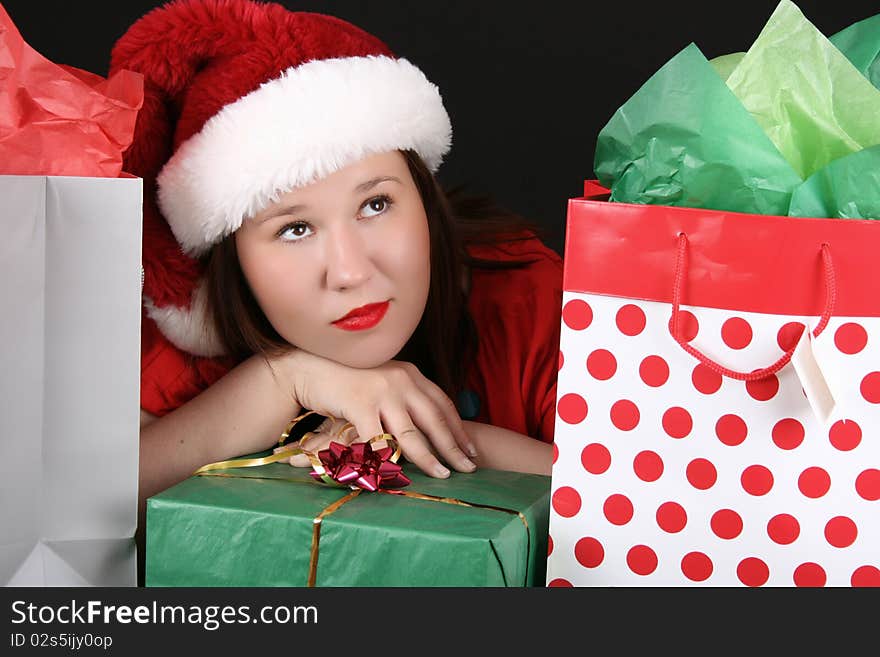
(528, 85)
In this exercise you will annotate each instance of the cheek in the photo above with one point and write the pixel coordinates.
(412, 253)
(278, 285)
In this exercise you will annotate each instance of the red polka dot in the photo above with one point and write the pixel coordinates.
(549, 545)
(731, 430)
(696, 566)
(671, 517)
(868, 485)
(648, 466)
(677, 422)
(561, 361)
(705, 380)
(566, 501)
(756, 480)
(688, 326)
(845, 435)
(601, 364)
(871, 388)
(763, 389)
(654, 371)
(630, 320)
(809, 575)
(726, 524)
(866, 576)
(572, 408)
(642, 560)
(788, 335)
(788, 433)
(753, 572)
(736, 333)
(555, 452)
(625, 415)
(596, 458)
(850, 338)
(814, 482)
(577, 314)
(841, 532)
(589, 552)
(618, 509)
(783, 529)
(701, 474)
(559, 583)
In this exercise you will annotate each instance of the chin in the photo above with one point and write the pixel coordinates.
(364, 358)
(364, 363)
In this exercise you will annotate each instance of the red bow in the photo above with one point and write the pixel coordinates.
(358, 465)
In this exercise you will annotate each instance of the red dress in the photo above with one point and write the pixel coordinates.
(512, 383)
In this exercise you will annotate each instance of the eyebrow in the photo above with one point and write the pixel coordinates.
(360, 189)
(369, 184)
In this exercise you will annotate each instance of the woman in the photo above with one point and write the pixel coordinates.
(299, 254)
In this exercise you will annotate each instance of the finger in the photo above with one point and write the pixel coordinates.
(364, 425)
(344, 432)
(314, 442)
(450, 414)
(416, 448)
(279, 449)
(308, 441)
(434, 426)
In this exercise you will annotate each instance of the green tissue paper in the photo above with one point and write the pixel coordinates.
(789, 127)
(684, 139)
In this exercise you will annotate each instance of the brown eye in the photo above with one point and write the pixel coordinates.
(376, 206)
(294, 232)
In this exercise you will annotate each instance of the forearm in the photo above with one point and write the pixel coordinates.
(243, 412)
(502, 449)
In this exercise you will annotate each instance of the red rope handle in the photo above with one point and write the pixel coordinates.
(674, 323)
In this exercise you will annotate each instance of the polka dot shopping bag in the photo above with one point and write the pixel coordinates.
(704, 436)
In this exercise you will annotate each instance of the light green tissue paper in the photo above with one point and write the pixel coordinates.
(848, 188)
(808, 97)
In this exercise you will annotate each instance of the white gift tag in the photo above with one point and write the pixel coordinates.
(812, 379)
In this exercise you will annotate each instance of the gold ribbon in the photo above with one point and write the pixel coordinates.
(316, 534)
(296, 448)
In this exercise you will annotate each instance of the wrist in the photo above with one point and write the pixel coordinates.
(285, 371)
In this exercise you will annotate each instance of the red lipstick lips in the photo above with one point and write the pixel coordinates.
(363, 318)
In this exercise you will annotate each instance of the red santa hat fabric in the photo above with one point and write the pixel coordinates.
(244, 101)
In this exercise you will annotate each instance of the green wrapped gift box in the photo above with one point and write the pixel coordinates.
(254, 527)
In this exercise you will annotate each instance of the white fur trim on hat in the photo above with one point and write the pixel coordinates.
(190, 329)
(311, 121)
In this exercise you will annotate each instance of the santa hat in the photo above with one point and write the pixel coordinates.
(244, 101)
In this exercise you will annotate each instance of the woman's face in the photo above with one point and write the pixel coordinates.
(341, 267)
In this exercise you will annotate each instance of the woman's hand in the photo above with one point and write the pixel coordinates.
(392, 398)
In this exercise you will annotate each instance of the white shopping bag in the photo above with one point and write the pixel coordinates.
(69, 379)
(712, 459)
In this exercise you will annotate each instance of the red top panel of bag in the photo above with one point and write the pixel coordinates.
(754, 263)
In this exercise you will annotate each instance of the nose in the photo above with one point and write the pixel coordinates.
(348, 259)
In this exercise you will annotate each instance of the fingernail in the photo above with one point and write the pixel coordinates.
(472, 451)
(440, 471)
(470, 465)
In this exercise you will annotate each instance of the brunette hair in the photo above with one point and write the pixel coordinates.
(445, 341)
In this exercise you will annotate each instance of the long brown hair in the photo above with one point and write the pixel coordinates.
(445, 341)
